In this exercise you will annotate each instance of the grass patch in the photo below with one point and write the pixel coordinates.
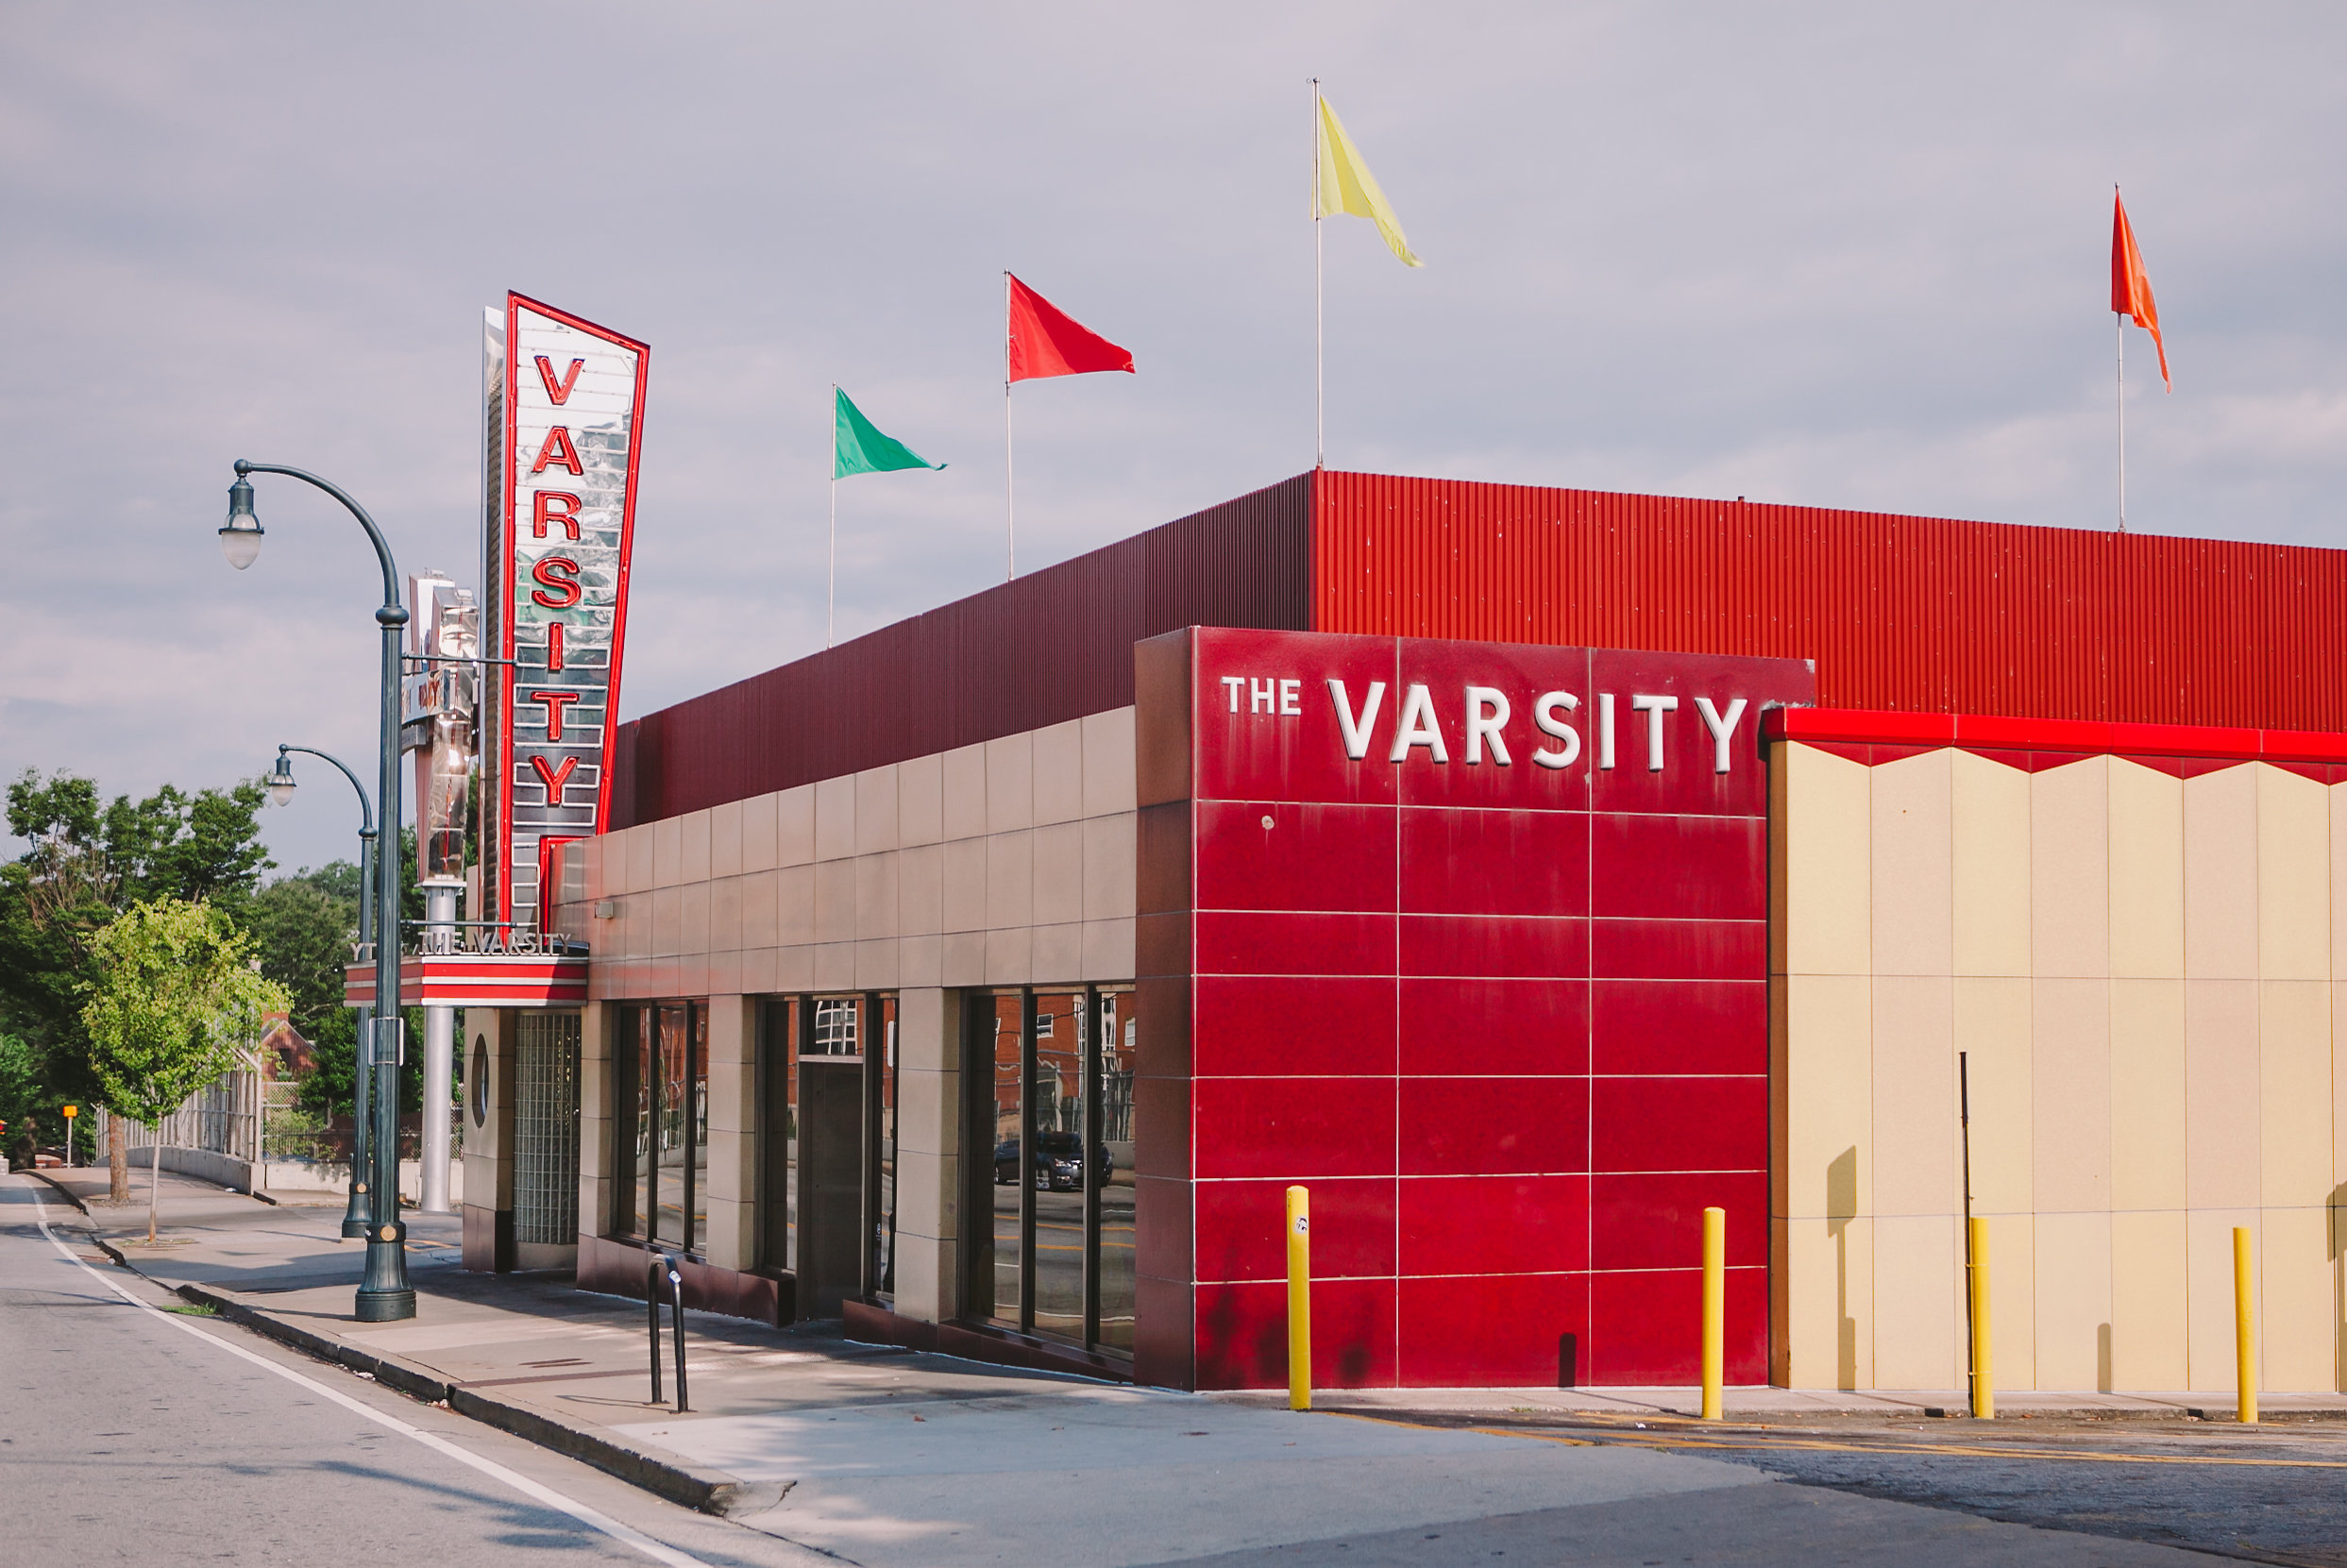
(195, 1309)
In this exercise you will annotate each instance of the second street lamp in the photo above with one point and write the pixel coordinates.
(280, 786)
(384, 1293)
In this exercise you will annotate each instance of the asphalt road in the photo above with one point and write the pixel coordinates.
(130, 1434)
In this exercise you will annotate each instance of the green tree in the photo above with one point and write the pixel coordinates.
(87, 862)
(174, 996)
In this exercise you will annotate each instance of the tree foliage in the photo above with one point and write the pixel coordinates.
(174, 999)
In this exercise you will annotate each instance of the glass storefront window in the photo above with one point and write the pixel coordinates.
(882, 1269)
(779, 1023)
(666, 1138)
(1058, 1257)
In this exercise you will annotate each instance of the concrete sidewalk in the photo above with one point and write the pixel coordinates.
(888, 1455)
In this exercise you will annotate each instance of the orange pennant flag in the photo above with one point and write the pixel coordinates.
(2131, 290)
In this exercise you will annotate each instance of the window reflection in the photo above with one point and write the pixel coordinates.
(666, 1135)
(1057, 1164)
(1119, 1030)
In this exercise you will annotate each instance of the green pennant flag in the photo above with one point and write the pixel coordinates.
(860, 449)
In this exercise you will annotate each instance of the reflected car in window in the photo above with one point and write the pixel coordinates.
(1058, 1162)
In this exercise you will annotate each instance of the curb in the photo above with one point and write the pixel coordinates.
(63, 1191)
(662, 1474)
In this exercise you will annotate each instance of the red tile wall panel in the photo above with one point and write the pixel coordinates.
(1918, 615)
(1394, 1001)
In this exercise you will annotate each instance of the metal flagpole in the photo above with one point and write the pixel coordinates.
(1320, 393)
(831, 580)
(2120, 324)
(1010, 493)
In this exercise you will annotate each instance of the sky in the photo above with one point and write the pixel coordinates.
(1839, 254)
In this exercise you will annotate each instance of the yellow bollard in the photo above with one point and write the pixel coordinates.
(2244, 1329)
(1714, 1308)
(1983, 1386)
(1299, 1299)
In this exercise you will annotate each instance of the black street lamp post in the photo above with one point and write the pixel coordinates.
(280, 785)
(384, 1293)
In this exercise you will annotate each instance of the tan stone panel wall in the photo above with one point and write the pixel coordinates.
(2145, 872)
(1989, 829)
(2148, 1299)
(2070, 869)
(1825, 925)
(2221, 875)
(2293, 875)
(2147, 1096)
(2073, 1330)
(1912, 859)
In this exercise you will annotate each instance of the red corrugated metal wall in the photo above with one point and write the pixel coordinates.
(1050, 646)
(1914, 614)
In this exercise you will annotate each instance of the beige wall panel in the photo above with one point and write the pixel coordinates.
(2073, 1301)
(876, 810)
(1992, 1020)
(794, 826)
(1914, 1100)
(920, 960)
(962, 960)
(794, 906)
(921, 801)
(2294, 1094)
(835, 901)
(2221, 1094)
(2013, 1299)
(2338, 1093)
(964, 792)
(876, 965)
(693, 846)
(693, 913)
(1109, 866)
(875, 894)
(1058, 954)
(2147, 872)
(1059, 772)
(2296, 1316)
(834, 818)
(2069, 821)
(2071, 1122)
(2147, 1099)
(1009, 880)
(731, 1236)
(1828, 1153)
(964, 869)
(725, 839)
(758, 842)
(759, 915)
(1108, 948)
(2221, 875)
(1913, 854)
(2293, 875)
(2208, 1286)
(1108, 763)
(1010, 783)
(1917, 1330)
(2148, 1296)
(668, 851)
(921, 889)
(2337, 801)
(725, 913)
(928, 1034)
(1009, 957)
(1058, 870)
(667, 931)
(1991, 835)
(1826, 1334)
(794, 968)
(1825, 809)
(835, 966)
(642, 853)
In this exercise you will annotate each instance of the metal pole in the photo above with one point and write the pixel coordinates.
(439, 1061)
(1299, 1228)
(357, 1219)
(830, 575)
(653, 1268)
(1715, 1311)
(1320, 393)
(676, 1326)
(2119, 326)
(2245, 1330)
(1010, 489)
(384, 1293)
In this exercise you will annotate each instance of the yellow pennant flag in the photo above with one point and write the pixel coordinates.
(1348, 186)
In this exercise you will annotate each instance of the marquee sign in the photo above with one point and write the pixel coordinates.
(561, 523)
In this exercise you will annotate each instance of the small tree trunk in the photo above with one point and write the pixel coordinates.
(117, 1162)
(154, 1188)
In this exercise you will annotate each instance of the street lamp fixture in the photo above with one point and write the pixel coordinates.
(280, 786)
(385, 1295)
(240, 537)
(279, 783)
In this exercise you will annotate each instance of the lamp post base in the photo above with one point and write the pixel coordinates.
(384, 1293)
(354, 1217)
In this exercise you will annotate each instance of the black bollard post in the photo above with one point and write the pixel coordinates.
(651, 1310)
(676, 1290)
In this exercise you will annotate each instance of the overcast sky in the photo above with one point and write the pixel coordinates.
(1844, 256)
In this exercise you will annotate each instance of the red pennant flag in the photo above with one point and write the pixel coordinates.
(2131, 288)
(1043, 340)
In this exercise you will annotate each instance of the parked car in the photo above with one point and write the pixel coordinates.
(1058, 1163)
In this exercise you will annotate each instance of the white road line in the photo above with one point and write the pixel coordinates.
(520, 1483)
